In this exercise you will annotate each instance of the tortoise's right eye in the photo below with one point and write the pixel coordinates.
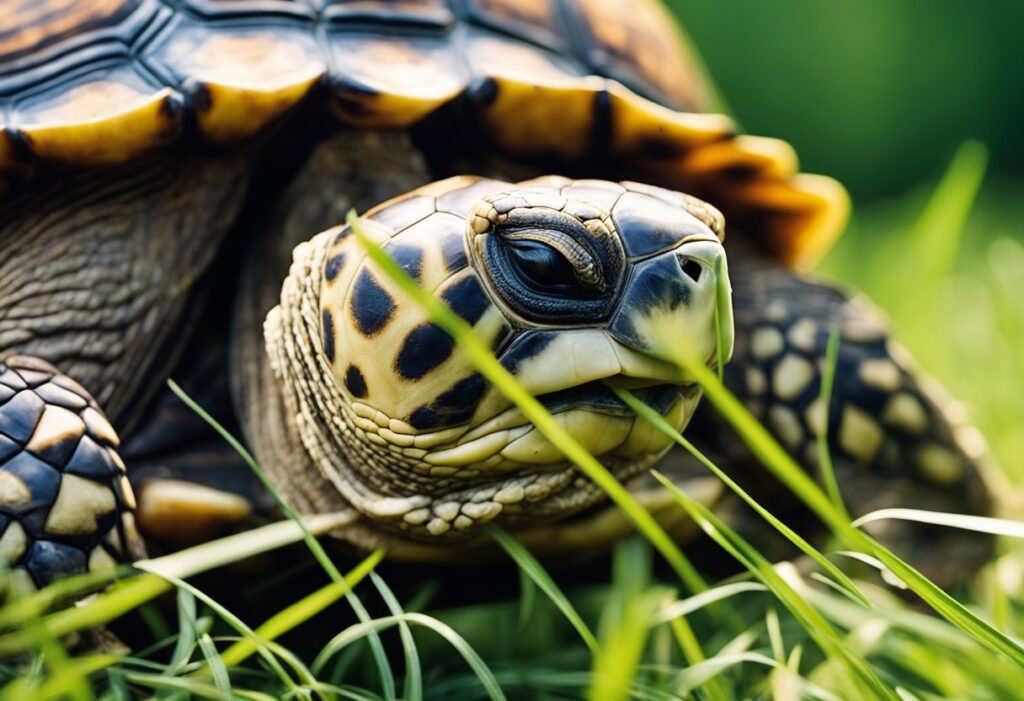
(541, 264)
(549, 261)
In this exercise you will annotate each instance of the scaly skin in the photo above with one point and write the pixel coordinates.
(64, 495)
(396, 420)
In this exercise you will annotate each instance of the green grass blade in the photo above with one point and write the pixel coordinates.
(377, 648)
(622, 645)
(239, 546)
(57, 686)
(301, 611)
(812, 621)
(828, 377)
(696, 602)
(936, 235)
(314, 547)
(413, 673)
(662, 425)
(186, 643)
(771, 621)
(360, 630)
(218, 670)
(693, 677)
(527, 599)
(194, 688)
(948, 607)
(239, 625)
(889, 578)
(306, 678)
(938, 643)
(529, 565)
(978, 524)
(626, 622)
(349, 692)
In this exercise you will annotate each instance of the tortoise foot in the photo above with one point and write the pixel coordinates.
(65, 502)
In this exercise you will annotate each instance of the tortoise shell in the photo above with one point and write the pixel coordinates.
(99, 82)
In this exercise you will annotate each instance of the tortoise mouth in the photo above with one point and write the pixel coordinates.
(597, 396)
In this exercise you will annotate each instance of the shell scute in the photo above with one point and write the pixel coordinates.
(628, 40)
(537, 21)
(426, 13)
(106, 118)
(239, 78)
(21, 414)
(576, 81)
(219, 8)
(392, 81)
(33, 26)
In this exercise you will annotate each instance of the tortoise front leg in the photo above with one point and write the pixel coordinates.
(65, 502)
(895, 439)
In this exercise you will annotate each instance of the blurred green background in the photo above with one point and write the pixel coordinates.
(918, 108)
(877, 93)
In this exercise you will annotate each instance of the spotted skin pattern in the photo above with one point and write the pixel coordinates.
(65, 501)
(883, 416)
(895, 438)
(430, 447)
(430, 232)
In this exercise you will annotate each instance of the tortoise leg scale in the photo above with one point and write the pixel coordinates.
(65, 502)
(894, 438)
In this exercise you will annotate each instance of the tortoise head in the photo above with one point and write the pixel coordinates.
(571, 294)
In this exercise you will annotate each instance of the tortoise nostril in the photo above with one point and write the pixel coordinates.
(692, 268)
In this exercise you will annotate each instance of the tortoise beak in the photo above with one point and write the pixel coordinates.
(711, 256)
(677, 305)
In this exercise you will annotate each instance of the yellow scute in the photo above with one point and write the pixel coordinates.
(101, 122)
(242, 81)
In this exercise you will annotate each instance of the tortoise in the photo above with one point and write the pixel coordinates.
(160, 161)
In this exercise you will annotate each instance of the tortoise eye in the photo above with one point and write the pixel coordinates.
(542, 264)
(551, 261)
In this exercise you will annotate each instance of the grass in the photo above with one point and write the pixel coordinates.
(946, 263)
(654, 627)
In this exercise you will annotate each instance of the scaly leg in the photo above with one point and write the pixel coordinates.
(65, 502)
(895, 439)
